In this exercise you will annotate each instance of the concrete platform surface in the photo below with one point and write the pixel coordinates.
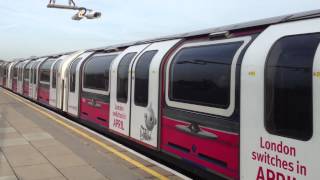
(33, 146)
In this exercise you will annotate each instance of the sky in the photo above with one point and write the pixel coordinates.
(28, 28)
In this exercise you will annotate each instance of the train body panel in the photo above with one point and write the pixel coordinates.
(10, 75)
(45, 80)
(35, 78)
(200, 97)
(26, 78)
(280, 103)
(95, 88)
(144, 94)
(63, 95)
(21, 77)
(53, 82)
(74, 83)
(120, 89)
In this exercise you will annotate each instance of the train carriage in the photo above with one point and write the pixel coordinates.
(239, 101)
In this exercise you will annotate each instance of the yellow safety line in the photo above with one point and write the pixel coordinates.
(103, 145)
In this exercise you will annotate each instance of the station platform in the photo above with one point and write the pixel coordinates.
(36, 143)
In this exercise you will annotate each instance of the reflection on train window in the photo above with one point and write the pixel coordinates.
(201, 75)
(45, 70)
(122, 77)
(288, 86)
(96, 73)
(141, 87)
(54, 73)
(73, 71)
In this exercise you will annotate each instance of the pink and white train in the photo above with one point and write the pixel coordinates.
(239, 101)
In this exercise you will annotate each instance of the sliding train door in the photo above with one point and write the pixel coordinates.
(280, 101)
(144, 118)
(74, 84)
(53, 82)
(120, 90)
(20, 77)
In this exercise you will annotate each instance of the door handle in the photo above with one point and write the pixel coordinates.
(194, 129)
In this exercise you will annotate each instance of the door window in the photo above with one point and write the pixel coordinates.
(122, 77)
(73, 72)
(288, 86)
(141, 87)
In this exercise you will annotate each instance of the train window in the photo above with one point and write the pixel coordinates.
(288, 86)
(26, 71)
(45, 71)
(122, 77)
(96, 72)
(73, 71)
(141, 87)
(201, 75)
(54, 73)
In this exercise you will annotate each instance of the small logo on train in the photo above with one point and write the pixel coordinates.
(150, 122)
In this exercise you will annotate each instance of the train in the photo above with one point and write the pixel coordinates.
(239, 102)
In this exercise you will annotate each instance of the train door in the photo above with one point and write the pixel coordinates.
(59, 81)
(27, 79)
(144, 123)
(53, 83)
(35, 76)
(15, 77)
(20, 78)
(10, 75)
(74, 84)
(280, 101)
(21, 83)
(32, 79)
(120, 90)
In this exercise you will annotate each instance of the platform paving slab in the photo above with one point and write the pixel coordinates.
(65, 161)
(34, 147)
(82, 173)
(8, 178)
(35, 172)
(23, 155)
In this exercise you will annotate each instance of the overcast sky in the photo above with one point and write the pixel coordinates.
(28, 28)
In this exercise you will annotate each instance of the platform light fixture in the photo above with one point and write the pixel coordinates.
(82, 11)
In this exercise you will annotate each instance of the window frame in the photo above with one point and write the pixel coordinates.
(96, 91)
(225, 112)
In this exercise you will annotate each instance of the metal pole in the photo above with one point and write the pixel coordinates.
(66, 7)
